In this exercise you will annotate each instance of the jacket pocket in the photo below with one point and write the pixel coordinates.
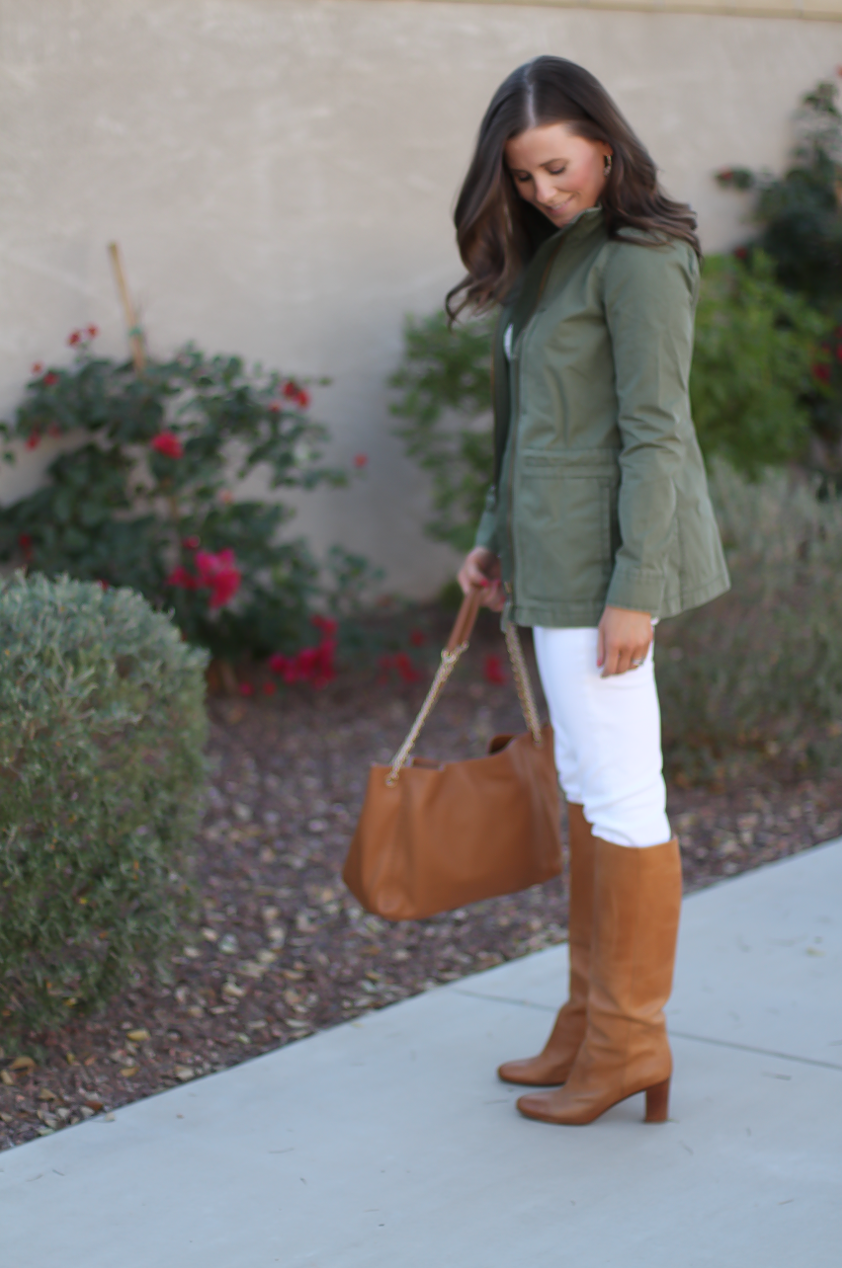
(565, 517)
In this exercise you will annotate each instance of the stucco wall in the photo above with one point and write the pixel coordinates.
(280, 175)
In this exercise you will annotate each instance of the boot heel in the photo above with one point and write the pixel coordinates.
(657, 1102)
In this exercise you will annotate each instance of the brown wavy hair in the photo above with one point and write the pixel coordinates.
(497, 231)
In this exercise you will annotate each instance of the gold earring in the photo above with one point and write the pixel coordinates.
(607, 164)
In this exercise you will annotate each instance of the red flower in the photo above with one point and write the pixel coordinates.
(103, 585)
(167, 443)
(821, 373)
(741, 253)
(220, 574)
(183, 579)
(417, 638)
(33, 440)
(92, 332)
(74, 338)
(360, 460)
(191, 543)
(25, 543)
(402, 665)
(326, 624)
(298, 395)
(246, 689)
(312, 664)
(37, 367)
(493, 671)
(49, 379)
(269, 689)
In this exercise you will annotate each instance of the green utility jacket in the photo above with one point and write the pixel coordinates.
(600, 494)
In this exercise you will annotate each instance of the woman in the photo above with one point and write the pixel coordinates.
(597, 525)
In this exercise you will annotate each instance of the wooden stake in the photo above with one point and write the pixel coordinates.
(135, 333)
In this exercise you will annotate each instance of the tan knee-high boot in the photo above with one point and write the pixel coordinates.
(552, 1065)
(637, 900)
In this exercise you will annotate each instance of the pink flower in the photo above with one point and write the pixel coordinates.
(493, 671)
(167, 443)
(219, 573)
(246, 689)
(360, 460)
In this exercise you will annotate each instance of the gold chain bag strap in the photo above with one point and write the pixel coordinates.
(433, 836)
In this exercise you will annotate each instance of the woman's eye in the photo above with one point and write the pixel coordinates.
(557, 171)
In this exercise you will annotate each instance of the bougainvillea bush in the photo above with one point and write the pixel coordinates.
(148, 499)
(102, 726)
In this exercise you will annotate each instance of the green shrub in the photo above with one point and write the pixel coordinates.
(753, 364)
(761, 668)
(444, 395)
(149, 497)
(799, 218)
(101, 731)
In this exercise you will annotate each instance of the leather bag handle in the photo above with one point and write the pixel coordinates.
(456, 644)
(466, 619)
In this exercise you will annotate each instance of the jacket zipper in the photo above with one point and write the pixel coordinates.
(515, 369)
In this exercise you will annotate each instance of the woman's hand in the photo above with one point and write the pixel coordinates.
(623, 641)
(481, 571)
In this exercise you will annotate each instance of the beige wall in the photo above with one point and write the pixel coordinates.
(280, 175)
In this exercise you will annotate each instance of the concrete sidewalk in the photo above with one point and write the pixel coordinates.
(388, 1142)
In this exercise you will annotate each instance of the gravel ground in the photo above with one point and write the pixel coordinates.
(280, 949)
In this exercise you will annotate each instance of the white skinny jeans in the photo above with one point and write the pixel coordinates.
(607, 738)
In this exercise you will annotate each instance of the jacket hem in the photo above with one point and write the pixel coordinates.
(588, 615)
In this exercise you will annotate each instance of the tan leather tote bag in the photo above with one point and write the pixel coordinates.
(433, 836)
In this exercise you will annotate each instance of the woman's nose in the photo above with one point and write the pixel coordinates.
(545, 190)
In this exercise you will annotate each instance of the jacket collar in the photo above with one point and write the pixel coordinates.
(580, 226)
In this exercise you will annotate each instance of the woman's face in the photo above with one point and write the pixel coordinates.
(558, 172)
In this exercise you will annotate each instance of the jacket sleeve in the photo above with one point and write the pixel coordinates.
(649, 296)
(487, 531)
